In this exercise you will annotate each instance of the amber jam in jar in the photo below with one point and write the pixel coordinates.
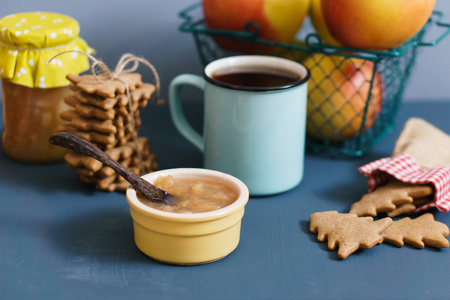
(31, 116)
(34, 82)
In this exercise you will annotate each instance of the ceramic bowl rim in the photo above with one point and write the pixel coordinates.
(203, 216)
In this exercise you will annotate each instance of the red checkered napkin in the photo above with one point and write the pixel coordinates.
(404, 168)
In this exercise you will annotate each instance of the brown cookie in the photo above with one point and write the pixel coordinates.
(76, 160)
(148, 165)
(109, 184)
(122, 111)
(91, 136)
(115, 182)
(418, 232)
(104, 184)
(409, 208)
(80, 161)
(120, 186)
(90, 111)
(105, 134)
(88, 124)
(139, 97)
(125, 161)
(387, 197)
(103, 172)
(127, 121)
(94, 100)
(125, 110)
(348, 231)
(105, 87)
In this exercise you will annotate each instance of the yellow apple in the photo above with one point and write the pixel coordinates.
(315, 13)
(337, 95)
(278, 21)
(375, 24)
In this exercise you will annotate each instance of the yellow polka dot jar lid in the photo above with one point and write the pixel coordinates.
(29, 40)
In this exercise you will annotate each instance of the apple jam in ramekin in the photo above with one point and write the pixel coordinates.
(194, 195)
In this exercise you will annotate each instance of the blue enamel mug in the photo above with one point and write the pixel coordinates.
(256, 134)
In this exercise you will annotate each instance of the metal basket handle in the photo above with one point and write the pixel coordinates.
(438, 23)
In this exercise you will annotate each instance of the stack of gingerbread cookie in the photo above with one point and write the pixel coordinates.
(105, 114)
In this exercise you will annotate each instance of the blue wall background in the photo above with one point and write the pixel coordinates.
(150, 29)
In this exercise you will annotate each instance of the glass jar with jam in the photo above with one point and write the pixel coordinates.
(33, 89)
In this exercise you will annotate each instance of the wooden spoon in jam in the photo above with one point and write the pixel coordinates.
(80, 145)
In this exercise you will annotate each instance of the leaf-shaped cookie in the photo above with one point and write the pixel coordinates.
(138, 95)
(409, 208)
(386, 197)
(86, 124)
(348, 231)
(89, 111)
(104, 86)
(418, 232)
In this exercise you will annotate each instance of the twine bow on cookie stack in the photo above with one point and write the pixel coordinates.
(120, 69)
(105, 111)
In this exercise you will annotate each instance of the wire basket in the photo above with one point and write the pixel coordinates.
(353, 95)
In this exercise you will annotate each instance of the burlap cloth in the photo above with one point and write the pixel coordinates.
(428, 145)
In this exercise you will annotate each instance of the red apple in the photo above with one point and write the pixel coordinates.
(375, 24)
(316, 15)
(338, 92)
(277, 20)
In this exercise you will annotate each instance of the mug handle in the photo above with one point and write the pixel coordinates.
(176, 111)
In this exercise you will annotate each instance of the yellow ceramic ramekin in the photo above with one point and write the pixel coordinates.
(188, 239)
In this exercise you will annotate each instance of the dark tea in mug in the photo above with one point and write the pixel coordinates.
(255, 79)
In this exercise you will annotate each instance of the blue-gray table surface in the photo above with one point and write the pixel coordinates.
(62, 239)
